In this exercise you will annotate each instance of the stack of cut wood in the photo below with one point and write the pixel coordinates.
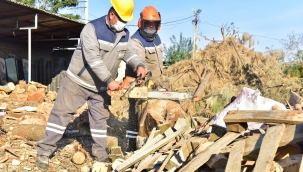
(233, 148)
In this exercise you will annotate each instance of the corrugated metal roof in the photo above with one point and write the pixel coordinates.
(53, 30)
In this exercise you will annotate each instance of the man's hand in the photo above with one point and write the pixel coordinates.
(114, 85)
(141, 71)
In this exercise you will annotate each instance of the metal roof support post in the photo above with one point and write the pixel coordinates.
(29, 55)
(30, 46)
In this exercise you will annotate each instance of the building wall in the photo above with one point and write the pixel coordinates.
(45, 63)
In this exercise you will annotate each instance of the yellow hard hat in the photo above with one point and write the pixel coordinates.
(124, 8)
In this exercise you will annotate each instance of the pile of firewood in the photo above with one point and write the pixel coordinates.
(233, 148)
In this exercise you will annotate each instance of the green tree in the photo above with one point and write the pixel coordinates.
(53, 6)
(295, 68)
(27, 2)
(179, 50)
(72, 16)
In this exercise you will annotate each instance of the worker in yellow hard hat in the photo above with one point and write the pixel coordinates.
(93, 68)
(149, 47)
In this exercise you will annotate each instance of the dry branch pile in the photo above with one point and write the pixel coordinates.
(233, 66)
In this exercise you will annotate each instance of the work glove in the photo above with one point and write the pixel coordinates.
(99, 167)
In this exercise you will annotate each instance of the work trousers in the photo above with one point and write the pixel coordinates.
(71, 97)
(132, 126)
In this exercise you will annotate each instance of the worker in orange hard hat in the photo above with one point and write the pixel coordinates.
(149, 47)
(93, 68)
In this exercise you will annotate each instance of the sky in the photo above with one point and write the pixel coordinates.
(269, 21)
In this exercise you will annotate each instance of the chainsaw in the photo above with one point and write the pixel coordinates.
(141, 89)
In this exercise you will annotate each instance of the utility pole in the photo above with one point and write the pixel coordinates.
(86, 11)
(195, 22)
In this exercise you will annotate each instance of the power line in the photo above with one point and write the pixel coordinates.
(174, 21)
(243, 32)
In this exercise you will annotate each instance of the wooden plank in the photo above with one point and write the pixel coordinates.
(269, 147)
(263, 116)
(236, 127)
(217, 162)
(155, 157)
(144, 153)
(235, 157)
(185, 150)
(170, 154)
(292, 133)
(301, 165)
(204, 156)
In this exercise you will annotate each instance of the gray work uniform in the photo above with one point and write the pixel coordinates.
(93, 66)
(151, 52)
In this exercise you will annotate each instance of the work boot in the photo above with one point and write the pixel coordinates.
(42, 162)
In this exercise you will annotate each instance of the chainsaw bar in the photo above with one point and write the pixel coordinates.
(143, 93)
(169, 95)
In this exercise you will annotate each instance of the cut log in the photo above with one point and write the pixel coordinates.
(235, 157)
(269, 147)
(264, 116)
(78, 158)
(204, 156)
(8, 88)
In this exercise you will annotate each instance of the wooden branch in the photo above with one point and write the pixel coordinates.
(200, 89)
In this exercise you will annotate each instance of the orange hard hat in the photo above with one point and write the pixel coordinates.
(149, 14)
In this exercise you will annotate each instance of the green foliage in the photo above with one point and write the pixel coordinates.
(179, 50)
(54, 6)
(27, 2)
(59, 4)
(295, 69)
(72, 16)
(50, 5)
